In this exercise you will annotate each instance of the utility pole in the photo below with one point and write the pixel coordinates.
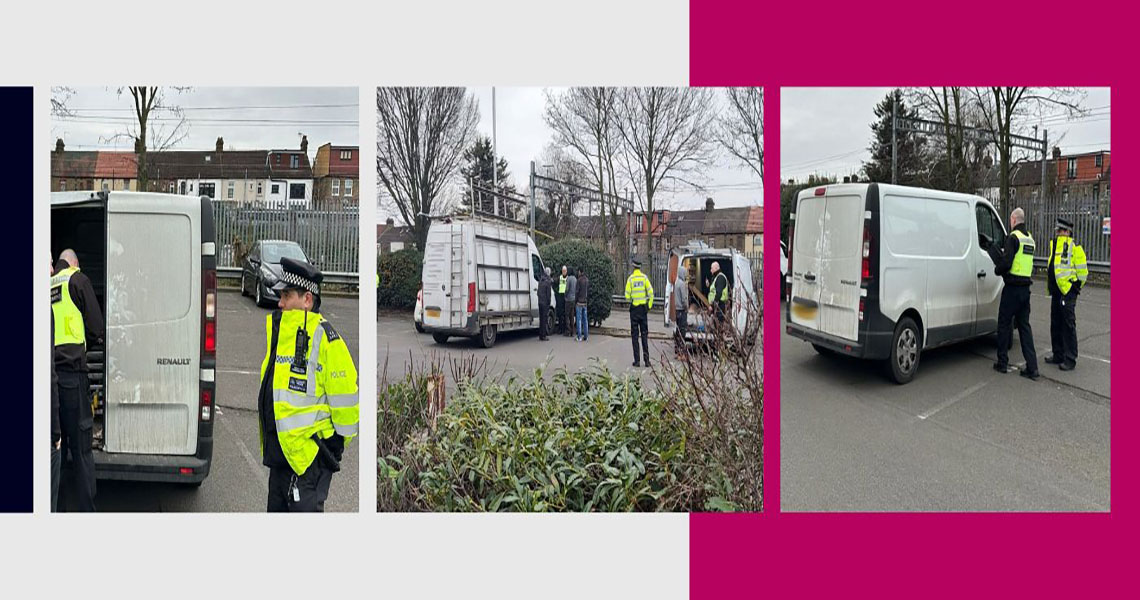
(1044, 159)
(894, 137)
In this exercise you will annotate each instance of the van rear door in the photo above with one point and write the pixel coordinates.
(154, 309)
(827, 259)
(441, 257)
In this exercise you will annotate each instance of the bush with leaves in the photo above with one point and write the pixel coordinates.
(400, 275)
(598, 266)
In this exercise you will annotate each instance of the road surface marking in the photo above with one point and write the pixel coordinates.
(964, 394)
(238, 372)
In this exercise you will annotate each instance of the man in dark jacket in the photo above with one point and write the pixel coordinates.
(571, 300)
(1014, 262)
(55, 434)
(78, 322)
(581, 314)
(545, 288)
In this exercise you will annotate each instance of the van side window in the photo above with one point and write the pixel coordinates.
(536, 266)
(988, 223)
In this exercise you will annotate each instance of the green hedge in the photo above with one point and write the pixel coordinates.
(597, 265)
(400, 275)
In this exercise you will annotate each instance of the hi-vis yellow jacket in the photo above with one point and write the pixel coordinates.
(638, 290)
(1069, 263)
(317, 395)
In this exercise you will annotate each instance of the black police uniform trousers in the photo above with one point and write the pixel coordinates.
(543, 321)
(75, 422)
(639, 326)
(1063, 326)
(1014, 310)
(312, 488)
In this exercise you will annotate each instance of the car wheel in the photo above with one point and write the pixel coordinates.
(243, 292)
(257, 293)
(487, 336)
(419, 327)
(906, 350)
(440, 338)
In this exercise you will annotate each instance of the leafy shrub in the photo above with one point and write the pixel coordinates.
(400, 275)
(597, 265)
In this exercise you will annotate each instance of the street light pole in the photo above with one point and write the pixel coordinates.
(894, 137)
(494, 144)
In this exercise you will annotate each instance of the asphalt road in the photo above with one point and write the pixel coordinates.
(237, 480)
(513, 353)
(959, 437)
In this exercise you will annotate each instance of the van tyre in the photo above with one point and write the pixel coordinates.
(487, 336)
(906, 350)
(420, 327)
(440, 338)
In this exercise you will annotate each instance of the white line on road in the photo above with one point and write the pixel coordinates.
(238, 372)
(964, 394)
(254, 465)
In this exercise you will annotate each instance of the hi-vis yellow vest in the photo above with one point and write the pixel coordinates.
(638, 290)
(1069, 263)
(1023, 260)
(68, 320)
(724, 290)
(317, 395)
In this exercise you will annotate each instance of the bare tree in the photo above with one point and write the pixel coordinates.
(159, 124)
(584, 119)
(741, 127)
(421, 134)
(667, 133)
(1006, 110)
(60, 97)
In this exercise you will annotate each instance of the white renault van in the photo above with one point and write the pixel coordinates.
(480, 278)
(150, 258)
(698, 258)
(884, 272)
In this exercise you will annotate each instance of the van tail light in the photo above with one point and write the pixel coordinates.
(861, 306)
(471, 298)
(209, 313)
(819, 191)
(866, 251)
(206, 404)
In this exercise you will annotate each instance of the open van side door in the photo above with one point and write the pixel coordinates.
(988, 284)
(744, 299)
(674, 262)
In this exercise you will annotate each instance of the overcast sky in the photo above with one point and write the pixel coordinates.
(522, 135)
(254, 118)
(827, 130)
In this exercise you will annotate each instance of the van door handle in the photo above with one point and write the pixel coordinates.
(809, 276)
(982, 274)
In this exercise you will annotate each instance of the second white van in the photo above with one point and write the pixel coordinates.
(884, 272)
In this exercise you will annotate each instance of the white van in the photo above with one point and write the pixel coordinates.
(885, 271)
(480, 277)
(150, 258)
(698, 257)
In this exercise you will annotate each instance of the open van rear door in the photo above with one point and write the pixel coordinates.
(154, 308)
(670, 278)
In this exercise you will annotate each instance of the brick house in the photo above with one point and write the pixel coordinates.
(74, 170)
(1083, 178)
(392, 238)
(336, 177)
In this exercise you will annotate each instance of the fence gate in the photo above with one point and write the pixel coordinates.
(1087, 214)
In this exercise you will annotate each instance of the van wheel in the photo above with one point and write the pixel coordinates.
(906, 350)
(420, 328)
(487, 337)
(440, 338)
(243, 291)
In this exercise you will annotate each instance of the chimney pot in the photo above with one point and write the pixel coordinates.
(304, 143)
(218, 146)
(390, 221)
(1056, 152)
(709, 204)
(59, 144)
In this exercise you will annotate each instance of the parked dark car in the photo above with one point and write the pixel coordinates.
(262, 268)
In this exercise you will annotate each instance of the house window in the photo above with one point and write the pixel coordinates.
(639, 224)
(347, 187)
(346, 154)
(259, 188)
(1072, 168)
(758, 241)
(275, 189)
(171, 187)
(182, 187)
(294, 161)
(63, 185)
(230, 191)
(296, 191)
(335, 187)
(1099, 160)
(206, 189)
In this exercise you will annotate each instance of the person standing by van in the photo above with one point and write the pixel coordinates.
(581, 315)
(56, 436)
(560, 301)
(1014, 262)
(78, 320)
(639, 294)
(681, 308)
(571, 301)
(1068, 272)
(544, 292)
(308, 405)
(718, 294)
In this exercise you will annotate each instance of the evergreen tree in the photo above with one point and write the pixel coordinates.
(912, 167)
(477, 168)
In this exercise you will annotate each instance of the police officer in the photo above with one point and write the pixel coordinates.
(78, 322)
(718, 294)
(639, 294)
(1068, 272)
(560, 302)
(308, 405)
(1014, 262)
